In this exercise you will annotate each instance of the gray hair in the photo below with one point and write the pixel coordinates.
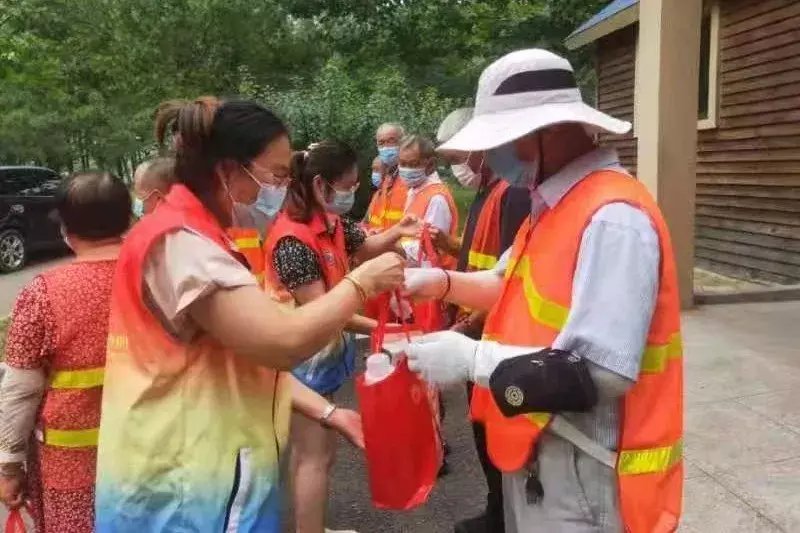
(158, 173)
(453, 123)
(391, 126)
(426, 147)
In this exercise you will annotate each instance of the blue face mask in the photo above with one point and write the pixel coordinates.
(270, 200)
(505, 164)
(138, 207)
(376, 179)
(259, 213)
(342, 202)
(412, 176)
(388, 155)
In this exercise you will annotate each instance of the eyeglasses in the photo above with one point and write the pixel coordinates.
(269, 178)
(352, 188)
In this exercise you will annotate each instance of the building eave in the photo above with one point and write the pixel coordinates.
(617, 21)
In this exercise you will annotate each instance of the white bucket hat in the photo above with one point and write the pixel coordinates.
(522, 92)
(453, 123)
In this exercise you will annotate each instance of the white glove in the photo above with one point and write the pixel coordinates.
(443, 358)
(424, 283)
(447, 357)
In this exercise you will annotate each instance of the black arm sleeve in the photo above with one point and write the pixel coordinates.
(547, 381)
(516, 207)
(354, 236)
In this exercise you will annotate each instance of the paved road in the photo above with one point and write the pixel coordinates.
(10, 284)
(459, 495)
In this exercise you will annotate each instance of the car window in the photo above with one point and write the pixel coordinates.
(49, 182)
(28, 182)
(12, 181)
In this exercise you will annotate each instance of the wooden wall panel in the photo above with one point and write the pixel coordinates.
(616, 65)
(748, 167)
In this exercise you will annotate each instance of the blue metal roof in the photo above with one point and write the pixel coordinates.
(607, 12)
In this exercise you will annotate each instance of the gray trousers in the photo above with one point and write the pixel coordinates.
(580, 493)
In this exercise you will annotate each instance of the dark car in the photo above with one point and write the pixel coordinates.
(27, 198)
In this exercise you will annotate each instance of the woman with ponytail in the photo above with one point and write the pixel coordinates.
(196, 404)
(309, 250)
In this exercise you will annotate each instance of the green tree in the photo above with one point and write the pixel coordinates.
(79, 79)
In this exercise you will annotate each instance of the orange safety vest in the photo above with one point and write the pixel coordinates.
(419, 206)
(248, 243)
(199, 399)
(484, 249)
(387, 204)
(328, 247)
(532, 310)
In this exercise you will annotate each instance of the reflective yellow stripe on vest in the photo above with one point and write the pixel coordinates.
(545, 311)
(649, 461)
(656, 356)
(392, 215)
(78, 379)
(551, 314)
(75, 438)
(539, 420)
(248, 242)
(376, 220)
(481, 261)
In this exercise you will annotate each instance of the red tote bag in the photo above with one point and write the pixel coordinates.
(428, 314)
(402, 442)
(15, 523)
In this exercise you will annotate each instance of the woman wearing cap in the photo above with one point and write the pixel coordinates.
(583, 318)
(55, 353)
(195, 411)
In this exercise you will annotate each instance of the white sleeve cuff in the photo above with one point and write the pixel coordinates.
(490, 354)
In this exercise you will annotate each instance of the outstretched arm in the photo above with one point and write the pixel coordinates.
(316, 407)
(475, 290)
(387, 240)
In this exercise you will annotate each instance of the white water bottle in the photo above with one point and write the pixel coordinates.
(379, 367)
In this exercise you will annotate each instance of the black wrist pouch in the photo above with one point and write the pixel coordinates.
(546, 381)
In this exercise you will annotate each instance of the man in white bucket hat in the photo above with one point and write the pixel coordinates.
(580, 361)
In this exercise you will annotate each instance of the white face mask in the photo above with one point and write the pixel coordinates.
(466, 176)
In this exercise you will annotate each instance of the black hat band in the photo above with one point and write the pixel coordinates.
(537, 80)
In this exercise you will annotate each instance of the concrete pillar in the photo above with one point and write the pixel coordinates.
(667, 80)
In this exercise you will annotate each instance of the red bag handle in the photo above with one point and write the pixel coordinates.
(426, 246)
(383, 327)
(15, 523)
